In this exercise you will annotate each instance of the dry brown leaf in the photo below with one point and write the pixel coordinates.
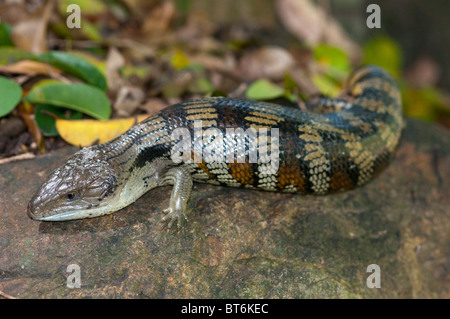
(198, 25)
(269, 62)
(23, 34)
(140, 8)
(136, 50)
(225, 65)
(312, 25)
(424, 72)
(29, 67)
(153, 105)
(159, 19)
(30, 35)
(128, 99)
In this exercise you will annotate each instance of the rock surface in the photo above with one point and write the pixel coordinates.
(242, 243)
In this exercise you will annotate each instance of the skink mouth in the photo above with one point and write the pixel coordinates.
(33, 213)
(70, 215)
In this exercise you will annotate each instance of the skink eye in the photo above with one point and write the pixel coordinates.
(71, 196)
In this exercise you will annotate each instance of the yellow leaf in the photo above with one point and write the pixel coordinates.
(179, 60)
(87, 132)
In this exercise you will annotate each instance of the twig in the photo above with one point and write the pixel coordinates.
(5, 295)
(17, 158)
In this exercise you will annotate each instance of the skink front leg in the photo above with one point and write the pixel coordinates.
(181, 180)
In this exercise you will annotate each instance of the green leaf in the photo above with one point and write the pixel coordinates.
(263, 89)
(91, 7)
(325, 85)
(10, 55)
(60, 29)
(45, 82)
(90, 31)
(10, 93)
(76, 66)
(384, 52)
(201, 85)
(5, 31)
(78, 97)
(183, 6)
(128, 72)
(98, 63)
(289, 83)
(425, 104)
(216, 93)
(45, 117)
(332, 56)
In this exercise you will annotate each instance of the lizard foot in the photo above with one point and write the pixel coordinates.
(173, 215)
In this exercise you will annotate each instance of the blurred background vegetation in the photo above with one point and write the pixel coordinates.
(132, 58)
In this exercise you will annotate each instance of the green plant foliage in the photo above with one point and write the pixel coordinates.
(201, 85)
(45, 117)
(215, 93)
(10, 55)
(128, 72)
(75, 66)
(426, 104)
(78, 97)
(183, 5)
(179, 60)
(332, 56)
(384, 52)
(289, 83)
(92, 7)
(336, 64)
(263, 89)
(10, 93)
(5, 31)
(90, 31)
(326, 85)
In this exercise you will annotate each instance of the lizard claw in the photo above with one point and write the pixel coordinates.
(173, 215)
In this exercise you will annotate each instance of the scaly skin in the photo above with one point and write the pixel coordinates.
(341, 145)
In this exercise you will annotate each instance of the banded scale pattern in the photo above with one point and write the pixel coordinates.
(322, 152)
(339, 145)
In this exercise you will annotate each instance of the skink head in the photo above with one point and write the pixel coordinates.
(80, 188)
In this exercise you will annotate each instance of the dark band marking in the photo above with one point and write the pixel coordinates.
(149, 154)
